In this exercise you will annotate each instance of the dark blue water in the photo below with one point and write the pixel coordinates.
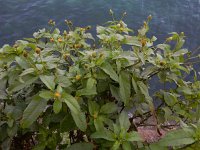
(20, 18)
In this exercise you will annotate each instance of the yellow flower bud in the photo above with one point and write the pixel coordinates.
(57, 95)
(78, 77)
(37, 50)
(51, 40)
(60, 40)
(25, 54)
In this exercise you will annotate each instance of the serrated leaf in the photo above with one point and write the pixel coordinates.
(98, 123)
(48, 81)
(12, 131)
(27, 71)
(93, 107)
(124, 120)
(116, 145)
(67, 124)
(46, 94)
(71, 103)
(177, 138)
(180, 52)
(63, 81)
(115, 92)
(91, 82)
(104, 134)
(108, 69)
(90, 88)
(126, 146)
(185, 90)
(33, 110)
(134, 85)
(170, 99)
(133, 136)
(168, 112)
(124, 87)
(80, 120)
(148, 71)
(87, 91)
(155, 146)
(144, 90)
(57, 106)
(20, 86)
(108, 108)
(22, 63)
(132, 40)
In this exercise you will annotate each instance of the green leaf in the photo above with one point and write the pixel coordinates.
(71, 103)
(103, 134)
(132, 40)
(134, 85)
(63, 81)
(46, 94)
(108, 69)
(80, 120)
(116, 145)
(90, 88)
(81, 146)
(185, 90)
(124, 86)
(12, 131)
(170, 99)
(178, 137)
(67, 124)
(98, 123)
(10, 122)
(20, 86)
(124, 120)
(91, 82)
(155, 146)
(87, 92)
(14, 112)
(22, 62)
(115, 92)
(100, 29)
(33, 110)
(48, 81)
(144, 90)
(126, 146)
(180, 52)
(30, 44)
(93, 107)
(6, 144)
(148, 71)
(163, 46)
(133, 136)
(168, 112)
(27, 71)
(57, 106)
(108, 108)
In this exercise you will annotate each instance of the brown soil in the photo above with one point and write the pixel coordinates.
(149, 131)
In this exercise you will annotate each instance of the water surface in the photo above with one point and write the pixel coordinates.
(20, 18)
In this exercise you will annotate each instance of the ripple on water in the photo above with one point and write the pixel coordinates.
(21, 18)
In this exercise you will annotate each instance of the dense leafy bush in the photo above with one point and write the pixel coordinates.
(68, 90)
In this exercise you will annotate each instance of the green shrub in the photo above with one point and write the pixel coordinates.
(68, 90)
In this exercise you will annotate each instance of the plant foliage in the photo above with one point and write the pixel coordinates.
(69, 90)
